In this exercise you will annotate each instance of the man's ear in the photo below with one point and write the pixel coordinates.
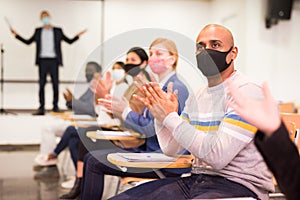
(233, 54)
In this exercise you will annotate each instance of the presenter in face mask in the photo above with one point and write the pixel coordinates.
(48, 56)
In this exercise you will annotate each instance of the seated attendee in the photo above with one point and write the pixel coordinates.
(272, 138)
(57, 127)
(118, 84)
(70, 138)
(163, 62)
(227, 163)
(136, 64)
(136, 57)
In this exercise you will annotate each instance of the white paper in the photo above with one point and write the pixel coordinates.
(80, 116)
(91, 123)
(146, 157)
(114, 133)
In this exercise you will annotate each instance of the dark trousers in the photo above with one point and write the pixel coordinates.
(79, 144)
(199, 186)
(86, 145)
(70, 139)
(48, 66)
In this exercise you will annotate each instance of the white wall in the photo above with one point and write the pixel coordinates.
(264, 54)
(182, 16)
(144, 21)
(273, 54)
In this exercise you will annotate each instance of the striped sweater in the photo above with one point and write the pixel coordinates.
(220, 140)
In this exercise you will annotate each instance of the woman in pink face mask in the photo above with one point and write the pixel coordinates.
(163, 61)
(163, 58)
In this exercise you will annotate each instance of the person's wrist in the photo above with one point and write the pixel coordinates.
(125, 112)
(271, 129)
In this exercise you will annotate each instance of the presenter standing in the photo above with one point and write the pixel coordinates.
(48, 56)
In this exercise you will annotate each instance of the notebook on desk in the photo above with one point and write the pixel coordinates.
(146, 157)
(114, 133)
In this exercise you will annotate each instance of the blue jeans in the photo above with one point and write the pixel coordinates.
(69, 139)
(194, 187)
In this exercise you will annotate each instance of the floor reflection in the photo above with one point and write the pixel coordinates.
(17, 178)
(27, 188)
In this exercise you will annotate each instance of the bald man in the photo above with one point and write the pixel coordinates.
(227, 163)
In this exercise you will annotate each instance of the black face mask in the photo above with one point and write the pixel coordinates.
(132, 69)
(211, 62)
(89, 77)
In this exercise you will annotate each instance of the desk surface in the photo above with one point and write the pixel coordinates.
(78, 118)
(184, 161)
(99, 136)
(84, 124)
(61, 114)
(69, 115)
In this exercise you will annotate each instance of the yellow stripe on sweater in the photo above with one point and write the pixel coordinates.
(185, 118)
(207, 128)
(241, 124)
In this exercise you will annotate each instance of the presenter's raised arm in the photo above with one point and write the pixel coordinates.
(81, 32)
(13, 32)
(70, 40)
(26, 41)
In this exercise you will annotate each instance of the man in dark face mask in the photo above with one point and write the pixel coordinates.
(88, 96)
(215, 56)
(91, 69)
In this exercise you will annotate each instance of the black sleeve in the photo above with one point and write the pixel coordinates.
(282, 157)
(68, 40)
(29, 41)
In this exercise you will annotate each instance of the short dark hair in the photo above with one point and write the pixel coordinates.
(121, 64)
(96, 65)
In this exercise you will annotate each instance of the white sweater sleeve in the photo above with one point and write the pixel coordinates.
(165, 130)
